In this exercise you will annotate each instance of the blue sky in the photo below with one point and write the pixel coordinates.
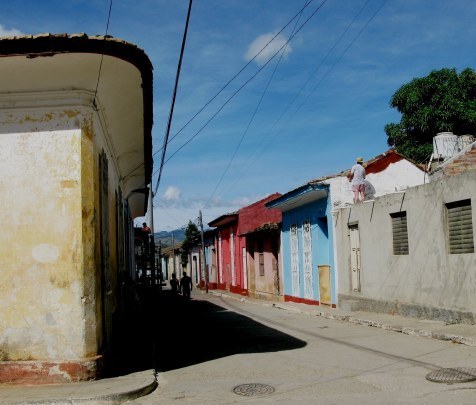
(307, 113)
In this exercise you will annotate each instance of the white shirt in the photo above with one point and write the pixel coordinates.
(359, 174)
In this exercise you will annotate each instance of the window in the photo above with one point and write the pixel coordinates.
(460, 227)
(261, 264)
(400, 233)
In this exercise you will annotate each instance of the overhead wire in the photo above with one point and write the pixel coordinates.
(336, 62)
(259, 151)
(227, 83)
(246, 82)
(254, 113)
(167, 213)
(102, 57)
(177, 77)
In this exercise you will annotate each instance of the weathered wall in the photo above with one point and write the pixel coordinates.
(42, 280)
(428, 282)
(50, 253)
(461, 163)
(269, 285)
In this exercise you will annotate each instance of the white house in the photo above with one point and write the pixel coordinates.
(411, 252)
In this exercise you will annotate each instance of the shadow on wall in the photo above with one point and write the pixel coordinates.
(168, 333)
(369, 190)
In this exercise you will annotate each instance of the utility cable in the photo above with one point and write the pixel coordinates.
(254, 157)
(242, 69)
(335, 63)
(166, 137)
(226, 84)
(244, 84)
(102, 58)
(254, 113)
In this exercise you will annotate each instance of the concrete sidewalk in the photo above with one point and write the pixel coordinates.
(121, 389)
(106, 391)
(457, 333)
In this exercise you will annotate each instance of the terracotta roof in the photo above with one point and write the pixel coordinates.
(270, 226)
(224, 219)
(367, 165)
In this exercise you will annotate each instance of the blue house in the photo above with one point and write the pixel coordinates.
(307, 244)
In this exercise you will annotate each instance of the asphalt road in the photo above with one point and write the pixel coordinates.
(205, 348)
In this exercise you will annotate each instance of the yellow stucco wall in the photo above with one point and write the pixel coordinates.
(50, 243)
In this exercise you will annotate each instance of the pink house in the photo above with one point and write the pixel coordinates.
(227, 226)
(248, 250)
(259, 230)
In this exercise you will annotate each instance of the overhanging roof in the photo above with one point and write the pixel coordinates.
(62, 63)
(224, 220)
(300, 196)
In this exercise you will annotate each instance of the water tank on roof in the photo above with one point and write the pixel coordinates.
(465, 140)
(445, 145)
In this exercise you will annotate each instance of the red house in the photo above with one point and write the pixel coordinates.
(248, 250)
(225, 249)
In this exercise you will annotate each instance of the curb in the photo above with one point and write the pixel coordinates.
(107, 391)
(468, 341)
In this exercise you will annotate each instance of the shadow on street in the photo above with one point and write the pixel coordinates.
(167, 332)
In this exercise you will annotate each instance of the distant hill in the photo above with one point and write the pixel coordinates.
(165, 237)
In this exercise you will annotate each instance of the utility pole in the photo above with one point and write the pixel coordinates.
(173, 251)
(151, 240)
(204, 265)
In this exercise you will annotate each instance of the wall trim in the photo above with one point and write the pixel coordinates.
(51, 372)
(449, 316)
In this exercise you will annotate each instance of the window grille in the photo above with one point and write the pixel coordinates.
(460, 227)
(400, 233)
(261, 264)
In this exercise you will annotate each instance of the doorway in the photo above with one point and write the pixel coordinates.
(355, 262)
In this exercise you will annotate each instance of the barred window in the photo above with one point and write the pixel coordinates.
(460, 227)
(400, 233)
(261, 264)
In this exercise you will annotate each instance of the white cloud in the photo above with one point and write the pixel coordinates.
(172, 194)
(4, 32)
(270, 49)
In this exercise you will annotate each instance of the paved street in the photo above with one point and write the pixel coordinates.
(213, 344)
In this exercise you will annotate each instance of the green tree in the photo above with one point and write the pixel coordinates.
(442, 101)
(192, 238)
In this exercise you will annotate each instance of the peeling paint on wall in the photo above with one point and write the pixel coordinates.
(45, 253)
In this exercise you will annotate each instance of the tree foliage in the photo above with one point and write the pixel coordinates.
(442, 101)
(192, 238)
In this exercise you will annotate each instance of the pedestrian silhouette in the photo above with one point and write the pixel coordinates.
(174, 284)
(185, 285)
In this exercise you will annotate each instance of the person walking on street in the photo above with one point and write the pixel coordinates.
(185, 285)
(357, 177)
(174, 284)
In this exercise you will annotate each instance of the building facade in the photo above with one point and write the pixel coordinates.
(309, 248)
(411, 252)
(79, 157)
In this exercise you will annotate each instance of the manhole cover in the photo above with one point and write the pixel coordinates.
(452, 375)
(250, 390)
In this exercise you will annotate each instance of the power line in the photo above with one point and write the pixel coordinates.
(244, 84)
(226, 84)
(257, 153)
(243, 68)
(166, 137)
(254, 113)
(102, 57)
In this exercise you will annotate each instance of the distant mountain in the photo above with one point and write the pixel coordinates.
(165, 237)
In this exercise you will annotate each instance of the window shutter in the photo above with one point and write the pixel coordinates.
(400, 233)
(460, 227)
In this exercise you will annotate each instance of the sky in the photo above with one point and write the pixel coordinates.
(249, 122)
